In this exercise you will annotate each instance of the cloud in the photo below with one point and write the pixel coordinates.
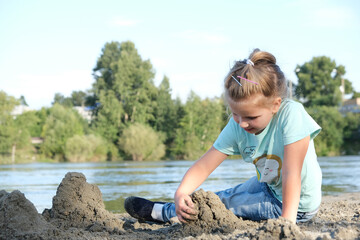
(119, 21)
(203, 37)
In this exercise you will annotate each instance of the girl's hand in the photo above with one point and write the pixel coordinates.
(185, 208)
(193, 178)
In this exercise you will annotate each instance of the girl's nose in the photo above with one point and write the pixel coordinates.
(243, 124)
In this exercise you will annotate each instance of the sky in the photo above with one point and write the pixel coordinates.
(49, 47)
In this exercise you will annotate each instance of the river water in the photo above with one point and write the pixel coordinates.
(154, 180)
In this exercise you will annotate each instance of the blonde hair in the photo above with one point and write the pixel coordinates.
(265, 78)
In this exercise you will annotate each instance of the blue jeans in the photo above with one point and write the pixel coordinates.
(250, 200)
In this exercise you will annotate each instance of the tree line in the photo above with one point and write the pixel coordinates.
(132, 118)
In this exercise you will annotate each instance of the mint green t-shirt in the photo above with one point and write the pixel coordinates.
(266, 150)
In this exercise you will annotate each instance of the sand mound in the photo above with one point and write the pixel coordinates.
(280, 228)
(213, 217)
(78, 212)
(79, 204)
(18, 216)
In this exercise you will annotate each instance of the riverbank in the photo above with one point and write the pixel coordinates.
(78, 212)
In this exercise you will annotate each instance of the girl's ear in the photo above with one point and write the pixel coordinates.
(276, 105)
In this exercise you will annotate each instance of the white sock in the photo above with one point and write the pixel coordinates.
(157, 212)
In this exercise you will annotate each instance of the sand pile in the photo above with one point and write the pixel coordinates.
(18, 217)
(79, 204)
(78, 211)
(214, 219)
(279, 228)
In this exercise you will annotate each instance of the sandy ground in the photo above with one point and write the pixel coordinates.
(78, 212)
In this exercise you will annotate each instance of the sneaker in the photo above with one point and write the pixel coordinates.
(140, 208)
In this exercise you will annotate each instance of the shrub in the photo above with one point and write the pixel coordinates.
(81, 148)
(330, 139)
(141, 142)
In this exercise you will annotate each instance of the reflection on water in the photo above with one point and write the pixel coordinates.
(154, 180)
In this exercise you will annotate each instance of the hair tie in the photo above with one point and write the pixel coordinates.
(248, 61)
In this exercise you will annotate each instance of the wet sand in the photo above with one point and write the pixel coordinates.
(78, 212)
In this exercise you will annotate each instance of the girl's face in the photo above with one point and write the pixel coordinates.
(252, 114)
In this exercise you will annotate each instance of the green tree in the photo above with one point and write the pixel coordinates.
(7, 124)
(330, 139)
(31, 122)
(108, 116)
(120, 69)
(226, 113)
(23, 101)
(356, 95)
(124, 91)
(21, 140)
(352, 134)
(81, 148)
(166, 114)
(199, 126)
(62, 100)
(141, 142)
(14, 136)
(25, 124)
(42, 115)
(60, 125)
(319, 81)
(78, 98)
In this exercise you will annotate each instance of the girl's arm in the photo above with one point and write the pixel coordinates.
(193, 178)
(294, 155)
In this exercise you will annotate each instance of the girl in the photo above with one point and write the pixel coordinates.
(274, 133)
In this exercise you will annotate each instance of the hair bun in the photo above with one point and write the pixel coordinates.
(260, 57)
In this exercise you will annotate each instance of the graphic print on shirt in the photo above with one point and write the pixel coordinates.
(268, 168)
(249, 151)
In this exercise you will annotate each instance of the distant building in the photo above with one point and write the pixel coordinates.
(351, 105)
(20, 109)
(85, 112)
(37, 140)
